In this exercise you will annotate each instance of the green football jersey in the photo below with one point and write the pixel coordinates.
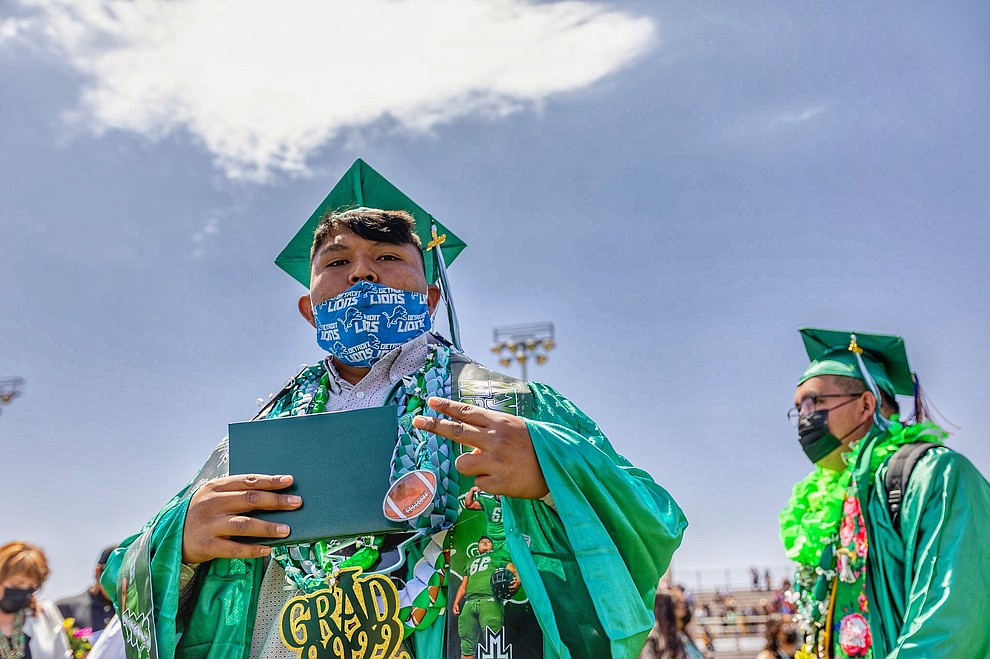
(493, 512)
(480, 573)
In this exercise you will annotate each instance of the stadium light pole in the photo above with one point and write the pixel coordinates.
(10, 388)
(524, 343)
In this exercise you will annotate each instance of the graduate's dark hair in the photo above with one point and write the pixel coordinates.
(394, 227)
(848, 385)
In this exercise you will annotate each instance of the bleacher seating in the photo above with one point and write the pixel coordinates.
(737, 622)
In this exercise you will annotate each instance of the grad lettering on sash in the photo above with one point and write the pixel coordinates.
(356, 619)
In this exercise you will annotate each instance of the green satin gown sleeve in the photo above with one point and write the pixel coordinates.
(166, 562)
(218, 619)
(931, 582)
(591, 568)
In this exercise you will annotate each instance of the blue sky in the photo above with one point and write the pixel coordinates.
(677, 186)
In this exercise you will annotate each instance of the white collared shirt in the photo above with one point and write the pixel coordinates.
(374, 387)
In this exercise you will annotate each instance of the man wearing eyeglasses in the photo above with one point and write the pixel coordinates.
(890, 530)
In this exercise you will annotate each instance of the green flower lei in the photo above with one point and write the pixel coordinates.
(810, 521)
(809, 524)
(811, 517)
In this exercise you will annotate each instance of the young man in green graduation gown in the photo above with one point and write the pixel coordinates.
(890, 531)
(588, 534)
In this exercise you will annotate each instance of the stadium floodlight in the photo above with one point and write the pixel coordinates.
(524, 343)
(10, 388)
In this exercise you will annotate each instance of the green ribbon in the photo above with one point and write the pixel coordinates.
(417, 449)
(312, 566)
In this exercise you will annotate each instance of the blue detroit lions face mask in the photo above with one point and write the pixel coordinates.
(368, 320)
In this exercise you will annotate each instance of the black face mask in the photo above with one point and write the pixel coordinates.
(790, 637)
(816, 441)
(15, 599)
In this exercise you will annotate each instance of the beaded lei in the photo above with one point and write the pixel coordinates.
(313, 566)
(13, 647)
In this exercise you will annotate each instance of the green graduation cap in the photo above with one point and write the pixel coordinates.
(363, 186)
(835, 352)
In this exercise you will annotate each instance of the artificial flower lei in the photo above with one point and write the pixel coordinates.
(810, 520)
(822, 524)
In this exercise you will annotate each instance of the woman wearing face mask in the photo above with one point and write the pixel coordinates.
(781, 639)
(28, 629)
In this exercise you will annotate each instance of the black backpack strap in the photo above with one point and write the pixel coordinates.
(899, 468)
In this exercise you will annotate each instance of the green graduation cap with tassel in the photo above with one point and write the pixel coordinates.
(362, 186)
(879, 360)
(836, 352)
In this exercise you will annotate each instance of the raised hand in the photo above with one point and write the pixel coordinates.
(503, 460)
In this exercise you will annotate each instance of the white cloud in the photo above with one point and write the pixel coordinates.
(14, 27)
(263, 85)
(211, 228)
(800, 116)
(766, 122)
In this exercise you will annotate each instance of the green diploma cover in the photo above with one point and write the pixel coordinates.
(340, 462)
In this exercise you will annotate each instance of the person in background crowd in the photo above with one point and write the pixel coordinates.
(784, 603)
(110, 645)
(781, 638)
(708, 639)
(682, 613)
(92, 608)
(669, 639)
(29, 629)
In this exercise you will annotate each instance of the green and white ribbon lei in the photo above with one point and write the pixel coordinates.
(312, 566)
(422, 450)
